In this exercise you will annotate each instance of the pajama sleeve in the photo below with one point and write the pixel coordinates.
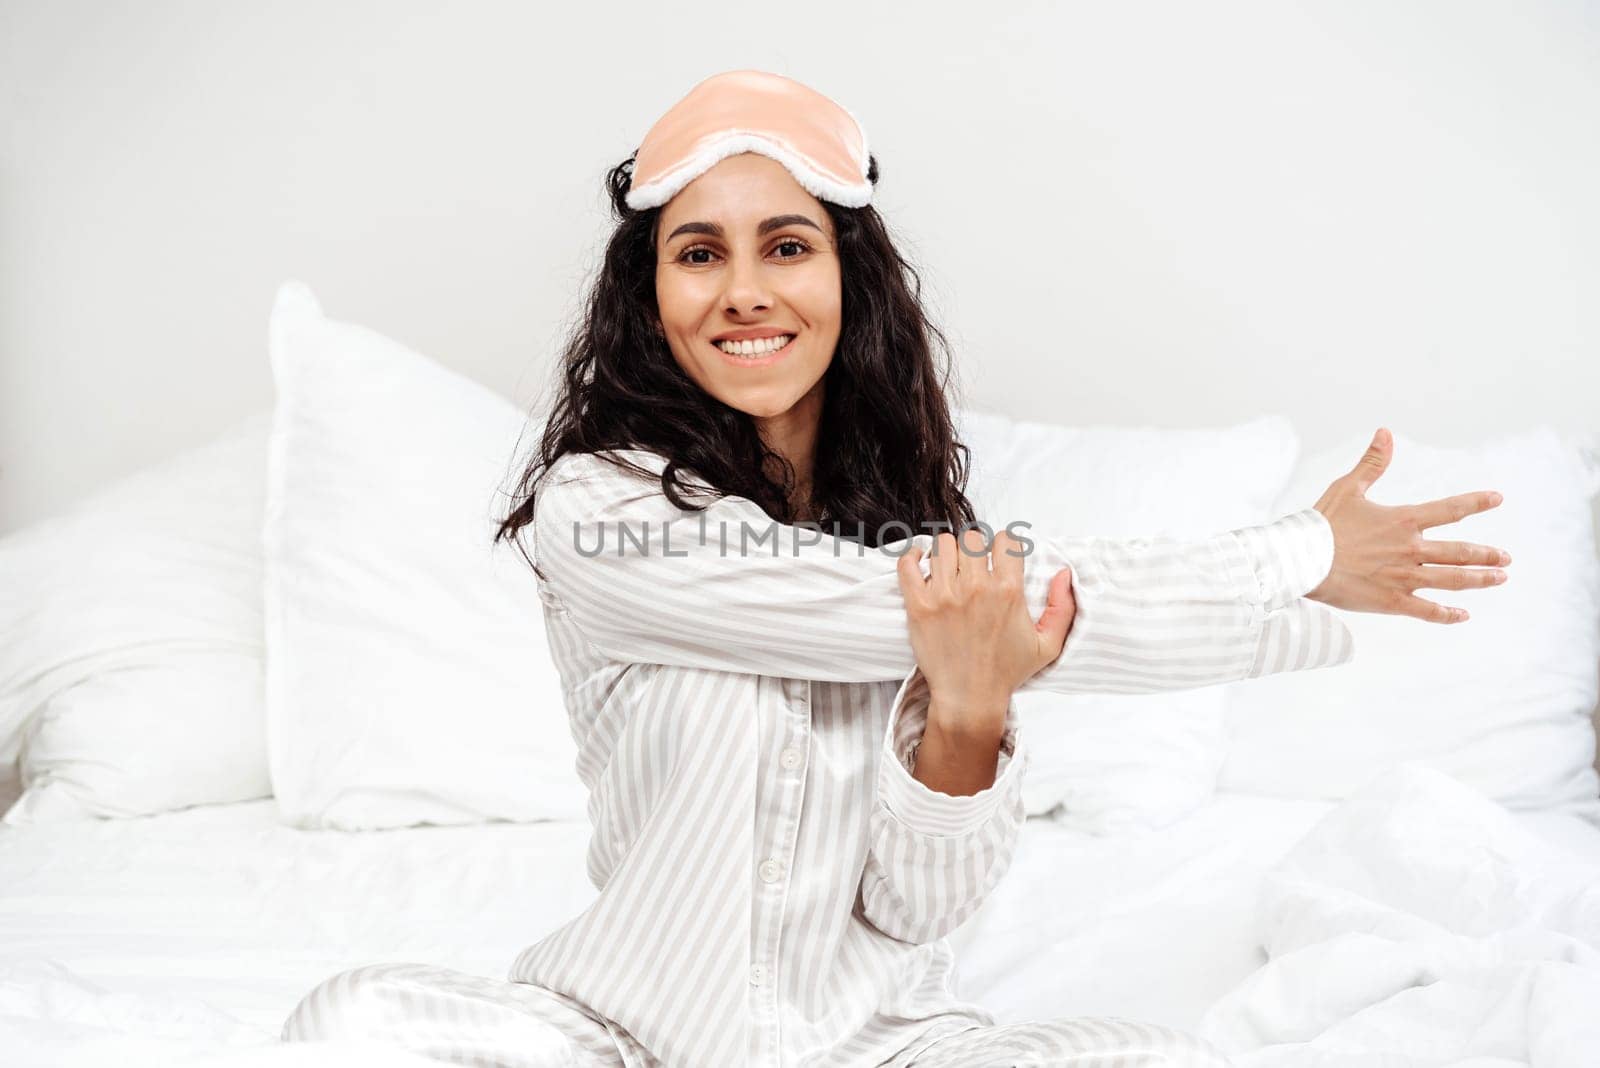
(728, 589)
(932, 858)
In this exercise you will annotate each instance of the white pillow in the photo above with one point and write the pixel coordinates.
(1501, 702)
(130, 641)
(409, 679)
(1117, 762)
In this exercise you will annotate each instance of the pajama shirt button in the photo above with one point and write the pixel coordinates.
(790, 758)
(758, 975)
(769, 871)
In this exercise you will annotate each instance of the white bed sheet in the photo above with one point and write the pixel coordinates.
(202, 929)
(1156, 926)
(1421, 925)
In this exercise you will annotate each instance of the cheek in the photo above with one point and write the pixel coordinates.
(669, 305)
(818, 301)
(679, 302)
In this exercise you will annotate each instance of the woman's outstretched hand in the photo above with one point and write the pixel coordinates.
(1380, 555)
(975, 642)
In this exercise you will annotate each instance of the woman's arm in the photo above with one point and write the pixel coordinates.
(932, 857)
(728, 589)
(949, 801)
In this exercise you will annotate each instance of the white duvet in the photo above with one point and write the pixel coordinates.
(1417, 925)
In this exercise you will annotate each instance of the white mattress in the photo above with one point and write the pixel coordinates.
(202, 929)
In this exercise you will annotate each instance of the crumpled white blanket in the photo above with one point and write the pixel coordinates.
(51, 1018)
(1417, 925)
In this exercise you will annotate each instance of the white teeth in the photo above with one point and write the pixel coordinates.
(759, 347)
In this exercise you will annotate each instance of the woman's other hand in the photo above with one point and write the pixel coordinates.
(971, 631)
(1380, 555)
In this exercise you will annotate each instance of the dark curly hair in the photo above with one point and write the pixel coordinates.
(888, 450)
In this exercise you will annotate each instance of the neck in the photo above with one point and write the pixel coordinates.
(793, 435)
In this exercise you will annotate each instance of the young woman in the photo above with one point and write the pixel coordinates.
(790, 670)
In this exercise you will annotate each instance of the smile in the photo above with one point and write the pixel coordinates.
(761, 352)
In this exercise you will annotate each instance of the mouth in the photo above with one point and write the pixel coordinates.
(755, 353)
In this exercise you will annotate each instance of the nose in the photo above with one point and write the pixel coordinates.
(747, 290)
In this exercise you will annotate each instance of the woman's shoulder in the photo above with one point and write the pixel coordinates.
(585, 484)
(635, 468)
(604, 465)
(580, 487)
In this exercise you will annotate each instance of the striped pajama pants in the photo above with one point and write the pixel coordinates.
(466, 1019)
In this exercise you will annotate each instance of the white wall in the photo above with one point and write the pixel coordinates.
(1179, 214)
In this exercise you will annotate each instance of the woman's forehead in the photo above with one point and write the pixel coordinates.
(741, 191)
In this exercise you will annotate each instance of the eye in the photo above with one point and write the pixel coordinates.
(795, 242)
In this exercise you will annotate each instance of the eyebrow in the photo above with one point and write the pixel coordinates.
(766, 226)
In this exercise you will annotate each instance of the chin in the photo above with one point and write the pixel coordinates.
(762, 405)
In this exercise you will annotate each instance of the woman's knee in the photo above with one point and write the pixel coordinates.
(357, 1003)
(1104, 1041)
(1130, 1043)
(1182, 1049)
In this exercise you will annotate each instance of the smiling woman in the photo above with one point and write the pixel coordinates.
(805, 771)
(781, 849)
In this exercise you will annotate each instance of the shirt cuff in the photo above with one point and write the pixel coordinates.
(1290, 556)
(921, 808)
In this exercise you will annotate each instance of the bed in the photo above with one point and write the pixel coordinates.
(234, 778)
(192, 934)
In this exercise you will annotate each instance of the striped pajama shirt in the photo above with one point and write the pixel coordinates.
(774, 886)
